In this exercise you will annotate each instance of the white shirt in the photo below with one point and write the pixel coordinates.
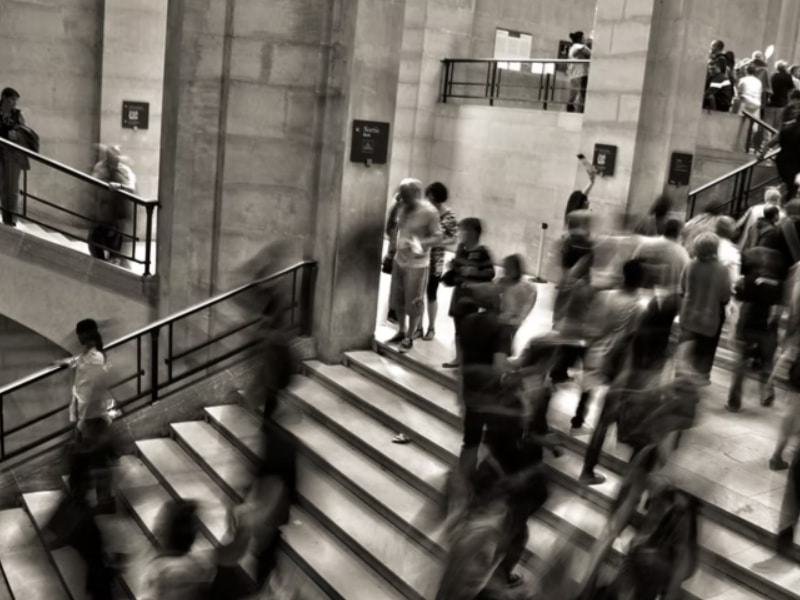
(730, 258)
(90, 389)
(580, 70)
(750, 88)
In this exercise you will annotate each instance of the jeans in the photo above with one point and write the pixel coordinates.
(790, 507)
(766, 342)
(9, 187)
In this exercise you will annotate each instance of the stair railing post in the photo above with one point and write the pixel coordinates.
(148, 239)
(2, 427)
(154, 365)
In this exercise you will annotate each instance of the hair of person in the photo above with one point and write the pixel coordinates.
(179, 525)
(772, 195)
(758, 55)
(472, 224)
(781, 66)
(9, 93)
(410, 189)
(715, 208)
(726, 227)
(750, 69)
(89, 334)
(577, 201)
(661, 206)
(673, 228)
(706, 246)
(792, 208)
(576, 37)
(718, 45)
(633, 273)
(438, 192)
(519, 264)
(772, 212)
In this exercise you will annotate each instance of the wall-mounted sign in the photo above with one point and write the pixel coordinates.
(680, 169)
(135, 115)
(369, 142)
(605, 159)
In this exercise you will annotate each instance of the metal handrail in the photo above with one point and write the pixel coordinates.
(757, 120)
(148, 367)
(557, 61)
(722, 178)
(39, 375)
(58, 166)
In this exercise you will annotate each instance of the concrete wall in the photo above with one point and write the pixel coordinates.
(134, 47)
(511, 168)
(51, 52)
(548, 22)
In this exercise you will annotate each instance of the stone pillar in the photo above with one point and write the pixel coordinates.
(362, 84)
(645, 94)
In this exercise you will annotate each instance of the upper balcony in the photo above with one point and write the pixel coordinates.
(536, 83)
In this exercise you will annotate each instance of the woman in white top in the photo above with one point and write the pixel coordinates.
(90, 390)
(578, 74)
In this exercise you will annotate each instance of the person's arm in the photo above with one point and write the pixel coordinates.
(434, 237)
(590, 185)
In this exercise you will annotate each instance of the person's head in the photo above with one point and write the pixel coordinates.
(726, 228)
(717, 46)
(792, 209)
(513, 267)
(673, 228)
(706, 246)
(661, 206)
(8, 99)
(89, 335)
(750, 69)
(113, 156)
(772, 195)
(577, 201)
(772, 213)
(759, 57)
(782, 66)
(410, 191)
(469, 231)
(178, 525)
(577, 37)
(632, 274)
(437, 193)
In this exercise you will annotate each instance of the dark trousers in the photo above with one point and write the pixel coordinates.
(704, 348)
(93, 444)
(566, 358)
(790, 507)
(765, 342)
(9, 186)
(595, 448)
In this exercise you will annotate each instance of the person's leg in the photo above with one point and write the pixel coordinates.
(433, 306)
(416, 281)
(583, 82)
(12, 188)
(787, 428)
(737, 380)
(767, 346)
(592, 458)
(790, 507)
(397, 302)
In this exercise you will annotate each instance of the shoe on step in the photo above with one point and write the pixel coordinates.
(396, 338)
(406, 345)
(429, 335)
(776, 463)
(591, 479)
(401, 438)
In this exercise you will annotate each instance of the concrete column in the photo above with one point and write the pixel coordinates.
(134, 48)
(645, 94)
(362, 84)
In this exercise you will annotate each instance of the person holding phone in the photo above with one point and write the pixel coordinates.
(579, 199)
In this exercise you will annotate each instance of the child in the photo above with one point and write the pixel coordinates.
(472, 264)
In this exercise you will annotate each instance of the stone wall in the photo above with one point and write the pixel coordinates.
(51, 53)
(513, 169)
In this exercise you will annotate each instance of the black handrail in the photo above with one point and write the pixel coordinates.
(150, 381)
(58, 166)
(116, 228)
(541, 93)
(741, 178)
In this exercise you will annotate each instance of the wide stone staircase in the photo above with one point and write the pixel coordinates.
(361, 528)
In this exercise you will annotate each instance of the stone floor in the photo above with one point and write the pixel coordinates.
(723, 460)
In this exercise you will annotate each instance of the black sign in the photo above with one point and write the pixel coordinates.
(680, 169)
(605, 159)
(563, 53)
(135, 115)
(370, 142)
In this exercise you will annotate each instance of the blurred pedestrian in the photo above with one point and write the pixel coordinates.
(14, 128)
(108, 235)
(655, 222)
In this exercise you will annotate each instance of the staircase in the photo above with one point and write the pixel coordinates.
(358, 532)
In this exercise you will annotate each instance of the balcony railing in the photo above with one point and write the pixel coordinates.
(734, 192)
(156, 360)
(50, 214)
(534, 82)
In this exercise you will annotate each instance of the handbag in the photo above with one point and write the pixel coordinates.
(386, 265)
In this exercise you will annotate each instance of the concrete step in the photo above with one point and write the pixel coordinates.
(566, 471)
(120, 535)
(25, 561)
(184, 478)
